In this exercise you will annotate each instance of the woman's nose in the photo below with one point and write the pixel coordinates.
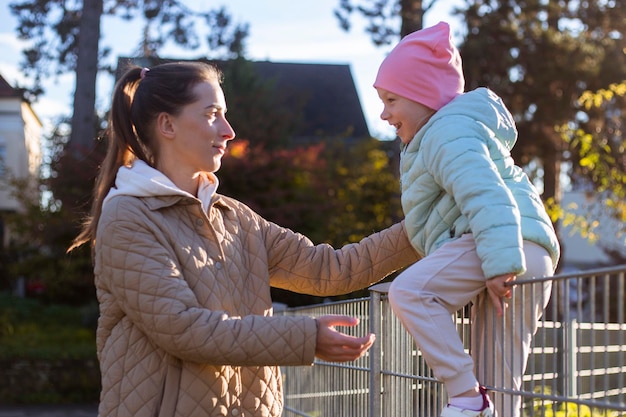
(228, 132)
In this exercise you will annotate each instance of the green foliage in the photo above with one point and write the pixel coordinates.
(331, 192)
(30, 329)
(47, 352)
(364, 190)
(600, 143)
(570, 410)
(546, 408)
(597, 144)
(334, 193)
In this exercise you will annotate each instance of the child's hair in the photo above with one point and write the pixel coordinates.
(140, 95)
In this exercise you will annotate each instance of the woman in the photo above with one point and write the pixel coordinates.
(183, 274)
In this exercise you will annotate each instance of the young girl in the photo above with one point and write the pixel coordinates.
(183, 274)
(472, 214)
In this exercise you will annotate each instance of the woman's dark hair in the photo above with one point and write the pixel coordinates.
(140, 95)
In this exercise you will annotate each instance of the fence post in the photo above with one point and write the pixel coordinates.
(375, 391)
(570, 367)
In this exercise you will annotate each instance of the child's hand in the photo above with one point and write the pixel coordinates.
(498, 291)
(334, 346)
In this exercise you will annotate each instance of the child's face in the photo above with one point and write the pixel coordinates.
(407, 116)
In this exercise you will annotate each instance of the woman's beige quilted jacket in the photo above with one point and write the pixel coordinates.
(185, 326)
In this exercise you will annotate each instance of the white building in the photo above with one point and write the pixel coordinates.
(20, 149)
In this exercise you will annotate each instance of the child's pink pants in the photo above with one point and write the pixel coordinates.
(428, 293)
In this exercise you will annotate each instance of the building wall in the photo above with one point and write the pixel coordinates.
(20, 147)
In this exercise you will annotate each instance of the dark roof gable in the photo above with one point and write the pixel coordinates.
(332, 104)
(6, 90)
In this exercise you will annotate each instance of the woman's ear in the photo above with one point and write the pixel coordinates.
(165, 125)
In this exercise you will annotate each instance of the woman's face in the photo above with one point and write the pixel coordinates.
(407, 116)
(196, 141)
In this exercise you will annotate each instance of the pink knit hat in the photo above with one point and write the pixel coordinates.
(424, 67)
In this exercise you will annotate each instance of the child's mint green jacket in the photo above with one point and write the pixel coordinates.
(458, 177)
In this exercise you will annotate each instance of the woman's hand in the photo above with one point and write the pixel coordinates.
(334, 346)
(498, 291)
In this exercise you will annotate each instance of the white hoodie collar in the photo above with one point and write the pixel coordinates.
(141, 180)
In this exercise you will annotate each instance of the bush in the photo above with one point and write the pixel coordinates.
(47, 353)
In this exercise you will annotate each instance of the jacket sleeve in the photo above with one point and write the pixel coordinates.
(463, 167)
(138, 276)
(296, 264)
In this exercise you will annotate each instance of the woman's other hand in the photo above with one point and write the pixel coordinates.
(334, 346)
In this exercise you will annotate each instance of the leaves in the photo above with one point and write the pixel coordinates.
(388, 20)
(52, 26)
(597, 145)
(329, 192)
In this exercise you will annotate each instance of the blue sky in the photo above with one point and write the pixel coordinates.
(280, 31)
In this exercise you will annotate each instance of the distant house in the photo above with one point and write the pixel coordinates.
(325, 95)
(20, 148)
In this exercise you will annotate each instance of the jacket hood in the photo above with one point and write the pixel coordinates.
(486, 107)
(141, 180)
(480, 106)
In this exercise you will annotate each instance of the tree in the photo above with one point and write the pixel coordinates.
(331, 193)
(596, 147)
(65, 37)
(385, 16)
(540, 56)
(84, 116)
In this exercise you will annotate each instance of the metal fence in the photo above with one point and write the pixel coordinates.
(576, 367)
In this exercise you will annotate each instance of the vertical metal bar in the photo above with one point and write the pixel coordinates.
(531, 364)
(375, 391)
(572, 366)
(620, 335)
(593, 318)
(557, 365)
(526, 293)
(580, 298)
(607, 319)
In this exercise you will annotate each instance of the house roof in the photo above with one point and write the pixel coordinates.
(331, 106)
(6, 90)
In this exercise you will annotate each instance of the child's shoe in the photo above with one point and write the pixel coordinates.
(487, 410)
